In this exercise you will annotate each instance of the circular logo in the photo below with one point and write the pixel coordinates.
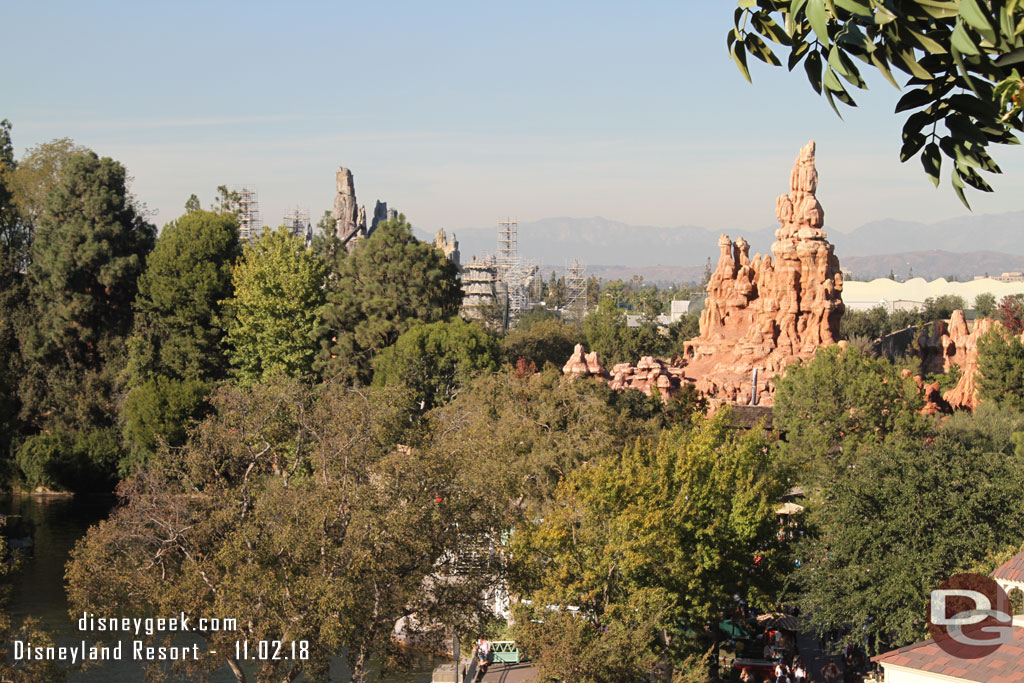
(969, 616)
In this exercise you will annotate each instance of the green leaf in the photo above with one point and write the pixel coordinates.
(938, 9)
(767, 27)
(962, 127)
(796, 5)
(1014, 56)
(797, 54)
(857, 7)
(969, 104)
(908, 62)
(973, 14)
(852, 73)
(739, 56)
(819, 20)
(812, 65)
(916, 122)
(883, 67)
(760, 49)
(958, 187)
(883, 16)
(932, 162)
(914, 99)
(746, 4)
(962, 41)
(912, 146)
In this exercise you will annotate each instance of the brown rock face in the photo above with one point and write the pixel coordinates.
(768, 311)
(963, 351)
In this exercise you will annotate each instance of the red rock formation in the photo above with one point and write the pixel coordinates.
(582, 364)
(768, 311)
(965, 354)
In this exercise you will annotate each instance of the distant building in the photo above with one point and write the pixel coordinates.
(297, 221)
(450, 248)
(1012, 276)
(482, 294)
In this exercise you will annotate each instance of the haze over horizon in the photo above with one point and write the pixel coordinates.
(458, 115)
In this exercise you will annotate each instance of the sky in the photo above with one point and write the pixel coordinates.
(457, 113)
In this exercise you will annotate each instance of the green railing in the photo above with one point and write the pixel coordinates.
(504, 652)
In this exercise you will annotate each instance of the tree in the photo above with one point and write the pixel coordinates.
(911, 511)
(192, 204)
(89, 250)
(275, 310)
(178, 328)
(38, 173)
(549, 341)
(961, 56)
(870, 324)
(649, 543)
(556, 291)
(435, 361)
(1011, 313)
(158, 413)
(838, 400)
(941, 307)
(1001, 368)
(388, 283)
(295, 510)
(606, 332)
(985, 305)
(15, 243)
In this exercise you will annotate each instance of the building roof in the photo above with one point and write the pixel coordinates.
(1005, 665)
(1012, 570)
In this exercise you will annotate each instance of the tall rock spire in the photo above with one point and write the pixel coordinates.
(766, 311)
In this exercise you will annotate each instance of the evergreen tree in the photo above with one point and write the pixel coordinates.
(275, 309)
(178, 328)
(89, 249)
(389, 282)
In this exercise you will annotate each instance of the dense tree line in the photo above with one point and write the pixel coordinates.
(314, 443)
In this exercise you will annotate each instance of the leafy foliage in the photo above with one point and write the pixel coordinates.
(1011, 313)
(549, 341)
(158, 412)
(985, 305)
(60, 459)
(911, 511)
(178, 308)
(295, 510)
(1001, 368)
(89, 249)
(275, 311)
(434, 361)
(388, 283)
(839, 400)
(645, 543)
(960, 55)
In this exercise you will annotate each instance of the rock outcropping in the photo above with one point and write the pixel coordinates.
(349, 217)
(962, 350)
(765, 312)
(650, 375)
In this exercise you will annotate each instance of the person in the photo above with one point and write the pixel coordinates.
(799, 672)
(483, 651)
(831, 672)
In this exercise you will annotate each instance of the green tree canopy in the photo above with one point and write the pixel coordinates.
(840, 399)
(275, 311)
(389, 282)
(985, 305)
(1001, 368)
(178, 308)
(962, 57)
(549, 341)
(912, 510)
(307, 513)
(436, 360)
(89, 249)
(648, 543)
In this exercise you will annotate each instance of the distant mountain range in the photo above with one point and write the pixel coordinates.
(962, 247)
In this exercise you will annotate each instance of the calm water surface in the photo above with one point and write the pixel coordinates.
(38, 588)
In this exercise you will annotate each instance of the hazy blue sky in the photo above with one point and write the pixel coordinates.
(456, 113)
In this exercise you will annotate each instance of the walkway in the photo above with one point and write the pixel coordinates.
(510, 673)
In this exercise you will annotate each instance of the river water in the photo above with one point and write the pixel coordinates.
(37, 589)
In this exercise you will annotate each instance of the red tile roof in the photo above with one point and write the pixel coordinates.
(1005, 665)
(1013, 570)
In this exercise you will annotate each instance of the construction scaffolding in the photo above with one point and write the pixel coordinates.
(250, 225)
(508, 242)
(297, 220)
(517, 277)
(575, 291)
